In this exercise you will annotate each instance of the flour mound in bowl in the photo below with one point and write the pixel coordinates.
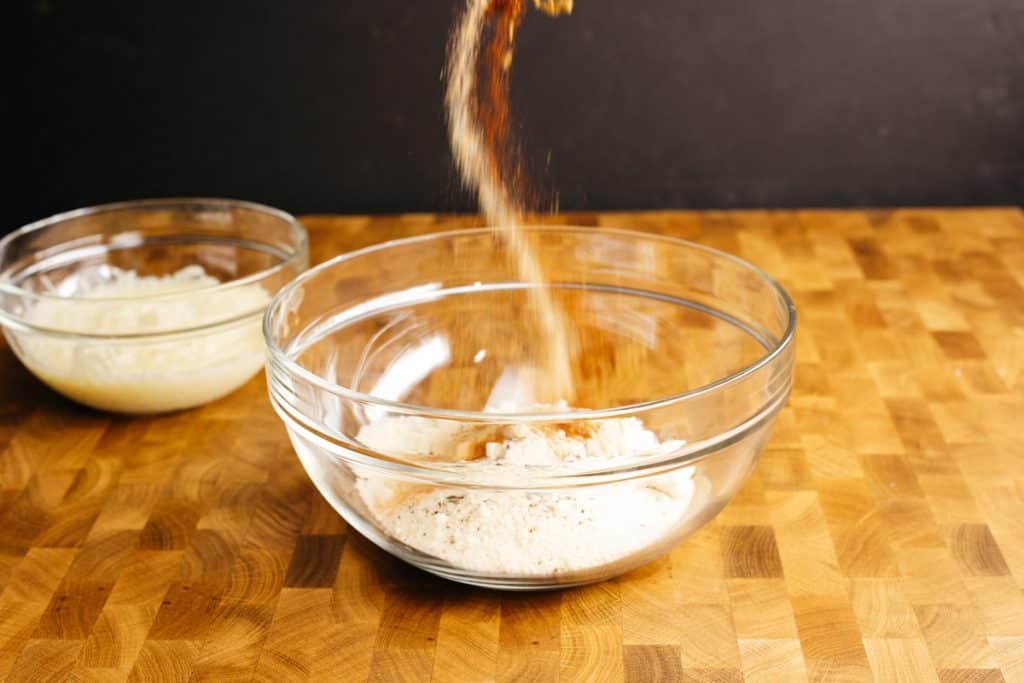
(518, 532)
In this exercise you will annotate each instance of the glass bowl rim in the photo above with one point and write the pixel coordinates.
(297, 255)
(280, 359)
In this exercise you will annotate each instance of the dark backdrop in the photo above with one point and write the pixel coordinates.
(335, 106)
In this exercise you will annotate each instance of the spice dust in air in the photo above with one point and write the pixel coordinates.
(479, 133)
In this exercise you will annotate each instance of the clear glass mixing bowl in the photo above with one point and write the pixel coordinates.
(390, 364)
(147, 352)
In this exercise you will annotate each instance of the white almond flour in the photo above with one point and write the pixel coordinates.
(526, 533)
(143, 375)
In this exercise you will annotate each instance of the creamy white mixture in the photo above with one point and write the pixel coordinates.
(144, 375)
(512, 532)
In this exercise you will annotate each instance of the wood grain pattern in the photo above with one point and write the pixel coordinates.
(881, 537)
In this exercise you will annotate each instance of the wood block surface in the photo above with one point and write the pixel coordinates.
(880, 538)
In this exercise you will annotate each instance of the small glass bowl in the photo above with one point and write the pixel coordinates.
(146, 351)
(378, 357)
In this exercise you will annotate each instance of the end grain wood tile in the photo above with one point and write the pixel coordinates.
(652, 663)
(359, 593)
(761, 609)
(116, 637)
(931, 572)
(537, 667)
(168, 660)
(772, 660)
(900, 660)
(808, 557)
(185, 612)
(959, 345)
(344, 648)
(45, 660)
(234, 641)
(882, 609)
(467, 639)
(828, 630)
(37, 575)
(708, 638)
(17, 622)
(410, 621)
(257, 575)
(530, 637)
(648, 611)
(1010, 654)
(750, 552)
(169, 526)
(976, 550)
(590, 624)
(146, 576)
(314, 561)
(697, 569)
(999, 602)
(288, 650)
(954, 636)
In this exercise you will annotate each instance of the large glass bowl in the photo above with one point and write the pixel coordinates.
(378, 357)
(150, 350)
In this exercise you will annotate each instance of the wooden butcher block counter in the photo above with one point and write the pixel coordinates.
(881, 537)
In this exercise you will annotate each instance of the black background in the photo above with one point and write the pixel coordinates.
(318, 106)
